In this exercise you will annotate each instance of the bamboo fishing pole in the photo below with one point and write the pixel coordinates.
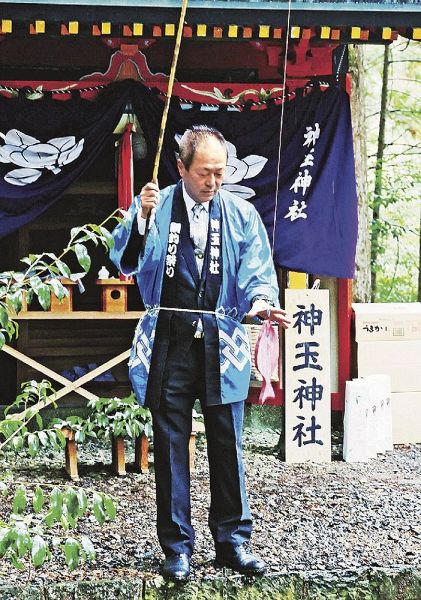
(169, 91)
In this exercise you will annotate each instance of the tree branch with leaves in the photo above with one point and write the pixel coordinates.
(43, 273)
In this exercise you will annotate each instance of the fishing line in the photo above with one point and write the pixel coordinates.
(281, 125)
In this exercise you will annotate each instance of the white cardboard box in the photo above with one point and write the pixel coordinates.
(395, 321)
(406, 418)
(400, 360)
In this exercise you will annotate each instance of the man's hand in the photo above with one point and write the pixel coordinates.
(149, 198)
(264, 310)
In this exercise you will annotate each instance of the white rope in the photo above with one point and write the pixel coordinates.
(30, 90)
(338, 70)
(187, 310)
(281, 125)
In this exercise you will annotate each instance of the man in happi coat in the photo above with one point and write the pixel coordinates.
(202, 260)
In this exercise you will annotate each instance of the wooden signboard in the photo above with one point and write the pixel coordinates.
(307, 377)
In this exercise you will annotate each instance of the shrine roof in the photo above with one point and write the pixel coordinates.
(357, 4)
(296, 5)
(369, 14)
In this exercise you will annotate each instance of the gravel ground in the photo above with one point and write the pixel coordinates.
(328, 517)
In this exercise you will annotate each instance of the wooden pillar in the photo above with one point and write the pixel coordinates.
(141, 449)
(192, 450)
(297, 281)
(71, 454)
(118, 456)
(344, 340)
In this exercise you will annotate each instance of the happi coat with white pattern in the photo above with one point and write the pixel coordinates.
(248, 271)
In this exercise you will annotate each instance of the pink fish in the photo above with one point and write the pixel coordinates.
(266, 357)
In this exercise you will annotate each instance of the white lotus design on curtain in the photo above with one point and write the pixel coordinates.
(239, 169)
(32, 156)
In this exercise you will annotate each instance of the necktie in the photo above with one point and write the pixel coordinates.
(199, 234)
(197, 211)
(199, 229)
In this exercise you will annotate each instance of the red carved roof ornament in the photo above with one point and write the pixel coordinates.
(127, 63)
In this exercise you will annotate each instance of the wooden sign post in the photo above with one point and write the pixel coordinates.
(307, 377)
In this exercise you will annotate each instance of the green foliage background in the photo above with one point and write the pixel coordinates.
(398, 260)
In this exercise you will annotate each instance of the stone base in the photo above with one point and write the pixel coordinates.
(257, 416)
(370, 584)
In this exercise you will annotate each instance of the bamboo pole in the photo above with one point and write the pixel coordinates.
(169, 91)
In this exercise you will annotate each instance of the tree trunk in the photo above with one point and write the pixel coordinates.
(419, 266)
(378, 179)
(362, 282)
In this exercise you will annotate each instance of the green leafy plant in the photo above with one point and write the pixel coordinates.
(120, 417)
(14, 429)
(41, 524)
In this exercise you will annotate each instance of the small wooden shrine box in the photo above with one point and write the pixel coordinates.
(114, 294)
(66, 303)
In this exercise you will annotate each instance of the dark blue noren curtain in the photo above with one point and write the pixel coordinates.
(47, 144)
(316, 220)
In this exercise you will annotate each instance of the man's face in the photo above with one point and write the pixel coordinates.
(207, 171)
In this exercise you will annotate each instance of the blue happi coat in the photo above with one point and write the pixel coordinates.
(247, 271)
